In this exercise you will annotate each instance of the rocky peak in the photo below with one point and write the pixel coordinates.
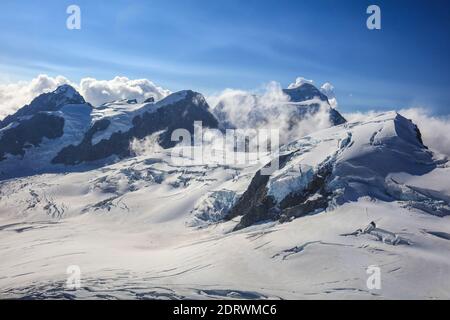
(304, 92)
(51, 101)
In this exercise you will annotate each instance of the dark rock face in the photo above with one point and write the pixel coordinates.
(30, 133)
(51, 101)
(418, 134)
(149, 100)
(255, 205)
(179, 115)
(299, 109)
(299, 204)
(72, 154)
(336, 118)
(305, 92)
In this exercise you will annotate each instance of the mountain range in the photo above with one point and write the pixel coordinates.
(74, 191)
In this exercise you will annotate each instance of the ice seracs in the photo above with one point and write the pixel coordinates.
(338, 165)
(32, 136)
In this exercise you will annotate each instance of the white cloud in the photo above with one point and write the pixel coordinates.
(328, 90)
(434, 130)
(100, 91)
(271, 110)
(298, 82)
(359, 116)
(16, 95)
(147, 146)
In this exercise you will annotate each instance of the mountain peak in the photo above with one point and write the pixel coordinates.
(50, 101)
(65, 89)
(303, 92)
(299, 81)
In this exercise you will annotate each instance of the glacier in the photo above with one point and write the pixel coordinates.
(144, 227)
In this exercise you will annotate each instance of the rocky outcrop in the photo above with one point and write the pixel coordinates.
(341, 165)
(307, 92)
(293, 105)
(52, 101)
(29, 133)
(172, 114)
(257, 205)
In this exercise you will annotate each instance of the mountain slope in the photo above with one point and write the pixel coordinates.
(307, 94)
(150, 224)
(294, 111)
(59, 130)
(30, 138)
(338, 165)
(177, 111)
(47, 102)
(147, 227)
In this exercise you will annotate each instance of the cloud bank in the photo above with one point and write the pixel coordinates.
(269, 110)
(328, 90)
(100, 91)
(16, 95)
(241, 108)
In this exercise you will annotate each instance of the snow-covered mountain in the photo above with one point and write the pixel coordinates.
(47, 102)
(289, 109)
(340, 165)
(31, 138)
(59, 129)
(354, 195)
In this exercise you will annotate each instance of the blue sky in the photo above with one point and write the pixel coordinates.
(210, 45)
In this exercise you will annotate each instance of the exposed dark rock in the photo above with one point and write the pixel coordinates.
(314, 197)
(317, 185)
(71, 154)
(336, 118)
(440, 234)
(305, 92)
(18, 138)
(303, 108)
(179, 115)
(255, 205)
(149, 100)
(419, 135)
(51, 101)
